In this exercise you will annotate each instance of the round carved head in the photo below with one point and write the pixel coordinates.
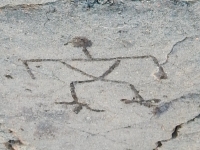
(81, 41)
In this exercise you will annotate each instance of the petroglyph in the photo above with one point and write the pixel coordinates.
(84, 43)
(81, 41)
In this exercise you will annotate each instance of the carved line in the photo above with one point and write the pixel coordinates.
(79, 106)
(116, 64)
(28, 69)
(141, 101)
(137, 99)
(87, 53)
(77, 70)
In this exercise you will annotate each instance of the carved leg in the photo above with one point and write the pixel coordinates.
(75, 101)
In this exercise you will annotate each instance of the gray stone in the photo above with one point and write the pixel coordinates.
(131, 83)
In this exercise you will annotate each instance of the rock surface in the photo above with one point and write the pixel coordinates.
(19, 2)
(135, 87)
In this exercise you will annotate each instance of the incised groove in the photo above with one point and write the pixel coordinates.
(84, 43)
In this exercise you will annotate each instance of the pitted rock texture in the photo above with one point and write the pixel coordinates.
(133, 85)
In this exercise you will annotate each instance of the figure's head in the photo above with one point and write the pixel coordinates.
(80, 41)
